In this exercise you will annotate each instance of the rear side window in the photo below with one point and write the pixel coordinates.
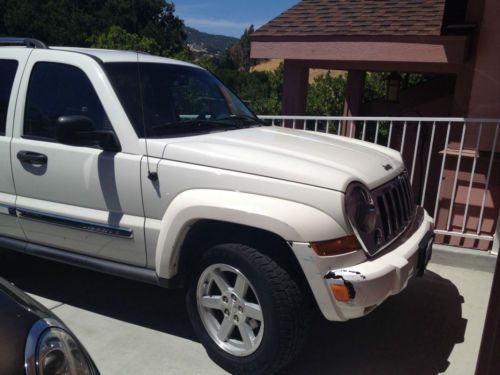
(8, 70)
(57, 90)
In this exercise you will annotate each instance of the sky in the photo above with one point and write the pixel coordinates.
(229, 17)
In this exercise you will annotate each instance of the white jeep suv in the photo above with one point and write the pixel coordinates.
(151, 169)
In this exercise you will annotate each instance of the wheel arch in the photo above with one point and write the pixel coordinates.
(205, 234)
(224, 215)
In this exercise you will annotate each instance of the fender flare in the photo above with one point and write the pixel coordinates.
(291, 221)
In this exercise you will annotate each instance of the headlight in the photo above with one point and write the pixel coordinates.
(58, 353)
(360, 209)
(51, 350)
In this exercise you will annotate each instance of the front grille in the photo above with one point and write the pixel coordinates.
(395, 210)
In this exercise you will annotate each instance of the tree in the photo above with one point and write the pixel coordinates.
(165, 28)
(118, 38)
(3, 6)
(80, 23)
(58, 22)
(375, 86)
(326, 95)
(239, 54)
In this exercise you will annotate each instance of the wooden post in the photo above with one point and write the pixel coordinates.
(488, 362)
(295, 87)
(353, 99)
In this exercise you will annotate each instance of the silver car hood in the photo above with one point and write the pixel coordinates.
(316, 159)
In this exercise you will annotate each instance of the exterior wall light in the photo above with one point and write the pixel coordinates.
(393, 85)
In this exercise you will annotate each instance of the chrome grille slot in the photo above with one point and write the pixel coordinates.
(402, 209)
(383, 215)
(409, 194)
(404, 202)
(397, 206)
(392, 211)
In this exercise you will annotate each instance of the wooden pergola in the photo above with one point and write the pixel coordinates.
(412, 36)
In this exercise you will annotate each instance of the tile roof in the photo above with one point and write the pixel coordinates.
(358, 17)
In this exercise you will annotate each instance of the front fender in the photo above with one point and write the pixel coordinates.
(290, 220)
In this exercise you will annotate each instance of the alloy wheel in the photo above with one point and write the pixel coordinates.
(230, 310)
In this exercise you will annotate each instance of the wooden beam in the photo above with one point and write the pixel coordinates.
(383, 66)
(439, 50)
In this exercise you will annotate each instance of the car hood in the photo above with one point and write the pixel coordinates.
(316, 159)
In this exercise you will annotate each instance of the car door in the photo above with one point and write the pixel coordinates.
(11, 67)
(74, 198)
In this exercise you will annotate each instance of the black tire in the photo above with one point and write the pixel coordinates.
(284, 309)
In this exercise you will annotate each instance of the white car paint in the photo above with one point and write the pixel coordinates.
(326, 161)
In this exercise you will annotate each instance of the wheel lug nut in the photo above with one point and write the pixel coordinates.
(236, 319)
(233, 297)
(224, 299)
(240, 309)
(226, 312)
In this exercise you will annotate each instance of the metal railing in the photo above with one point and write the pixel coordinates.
(450, 163)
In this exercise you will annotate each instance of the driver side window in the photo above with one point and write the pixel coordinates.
(57, 90)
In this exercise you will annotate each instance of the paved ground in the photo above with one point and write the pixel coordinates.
(434, 326)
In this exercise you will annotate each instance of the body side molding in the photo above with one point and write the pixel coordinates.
(7, 209)
(84, 225)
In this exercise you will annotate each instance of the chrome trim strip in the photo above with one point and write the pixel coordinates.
(88, 226)
(5, 209)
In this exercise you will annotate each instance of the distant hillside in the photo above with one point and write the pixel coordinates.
(203, 42)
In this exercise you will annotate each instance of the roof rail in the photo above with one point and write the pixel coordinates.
(28, 42)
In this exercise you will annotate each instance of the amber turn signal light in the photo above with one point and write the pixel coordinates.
(336, 247)
(340, 292)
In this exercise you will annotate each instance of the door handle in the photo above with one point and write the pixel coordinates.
(32, 157)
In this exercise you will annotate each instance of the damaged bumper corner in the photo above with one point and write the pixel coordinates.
(345, 291)
(342, 289)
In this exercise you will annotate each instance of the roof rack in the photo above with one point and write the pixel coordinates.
(28, 42)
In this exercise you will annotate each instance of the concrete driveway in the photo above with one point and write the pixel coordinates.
(434, 326)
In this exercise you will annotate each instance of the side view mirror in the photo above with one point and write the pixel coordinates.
(81, 131)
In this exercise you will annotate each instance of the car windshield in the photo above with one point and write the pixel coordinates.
(176, 100)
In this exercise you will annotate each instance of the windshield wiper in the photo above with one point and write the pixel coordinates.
(244, 118)
(189, 126)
